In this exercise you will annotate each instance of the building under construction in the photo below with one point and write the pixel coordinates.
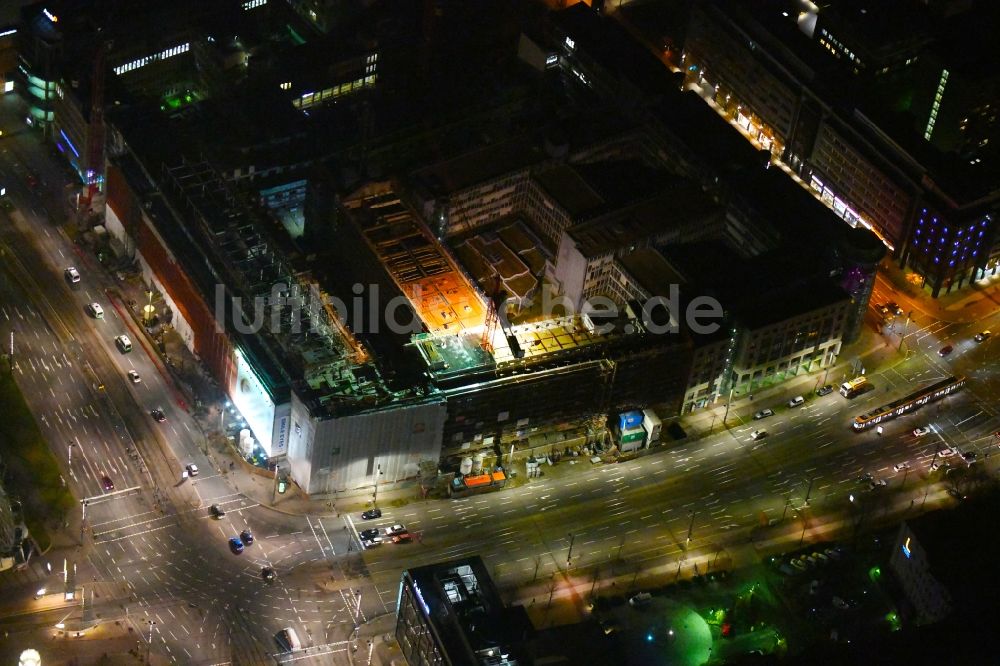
(367, 352)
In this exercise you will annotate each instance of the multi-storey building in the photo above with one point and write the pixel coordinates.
(585, 265)
(451, 614)
(803, 90)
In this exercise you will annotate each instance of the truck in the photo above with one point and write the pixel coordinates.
(855, 387)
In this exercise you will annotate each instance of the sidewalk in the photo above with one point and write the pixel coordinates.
(872, 350)
(968, 304)
(572, 590)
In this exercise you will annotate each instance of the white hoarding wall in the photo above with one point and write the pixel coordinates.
(345, 453)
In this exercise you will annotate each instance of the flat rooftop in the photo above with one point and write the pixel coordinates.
(565, 184)
(441, 296)
(508, 250)
(684, 204)
(479, 166)
(451, 356)
(471, 623)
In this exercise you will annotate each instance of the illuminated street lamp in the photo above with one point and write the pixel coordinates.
(148, 310)
(30, 658)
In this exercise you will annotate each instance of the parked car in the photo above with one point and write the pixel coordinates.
(246, 536)
(797, 401)
(192, 469)
(937, 464)
(921, 431)
(758, 435)
(825, 390)
(107, 483)
(402, 537)
(371, 514)
(944, 351)
(763, 414)
(267, 573)
(970, 457)
(368, 534)
(218, 511)
(875, 484)
(235, 545)
(640, 600)
(894, 308)
(899, 467)
(134, 377)
(95, 310)
(834, 552)
(945, 452)
(395, 529)
(982, 336)
(72, 275)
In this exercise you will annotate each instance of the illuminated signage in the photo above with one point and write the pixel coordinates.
(282, 435)
(50, 16)
(253, 402)
(906, 548)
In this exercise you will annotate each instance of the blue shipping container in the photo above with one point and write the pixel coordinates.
(628, 420)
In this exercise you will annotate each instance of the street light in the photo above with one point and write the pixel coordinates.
(690, 527)
(71, 445)
(378, 473)
(148, 310)
(149, 646)
(569, 555)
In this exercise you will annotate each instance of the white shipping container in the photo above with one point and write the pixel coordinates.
(651, 422)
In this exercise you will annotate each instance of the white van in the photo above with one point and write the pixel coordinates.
(288, 640)
(123, 343)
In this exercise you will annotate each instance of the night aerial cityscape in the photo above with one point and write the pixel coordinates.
(499, 332)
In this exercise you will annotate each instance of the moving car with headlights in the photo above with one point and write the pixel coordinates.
(123, 343)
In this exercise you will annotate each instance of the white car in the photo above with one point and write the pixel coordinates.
(72, 275)
(763, 414)
(134, 377)
(945, 452)
(920, 432)
(95, 310)
(797, 401)
(758, 435)
(394, 530)
(124, 344)
(192, 469)
(899, 467)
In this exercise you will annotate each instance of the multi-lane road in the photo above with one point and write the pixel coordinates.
(161, 561)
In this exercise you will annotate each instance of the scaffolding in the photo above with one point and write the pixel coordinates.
(287, 307)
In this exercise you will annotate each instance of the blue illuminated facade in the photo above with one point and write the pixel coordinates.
(946, 252)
